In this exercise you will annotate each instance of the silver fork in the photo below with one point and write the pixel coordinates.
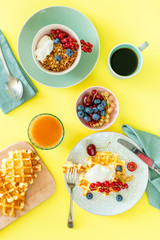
(71, 181)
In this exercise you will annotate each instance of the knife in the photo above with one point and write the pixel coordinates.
(139, 154)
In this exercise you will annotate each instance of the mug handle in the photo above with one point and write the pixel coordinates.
(143, 46)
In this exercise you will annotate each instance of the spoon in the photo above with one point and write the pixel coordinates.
(13, 85)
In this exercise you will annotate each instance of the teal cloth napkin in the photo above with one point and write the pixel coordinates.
(6, 103)
(150, 145)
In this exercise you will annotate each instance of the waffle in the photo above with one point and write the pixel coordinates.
(9, 191)
(102, 158)
(10, 208)
(20, 167)
(69, 164)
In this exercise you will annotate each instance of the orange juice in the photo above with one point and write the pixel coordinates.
(46, 131)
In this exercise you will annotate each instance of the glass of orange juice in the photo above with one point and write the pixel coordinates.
(46, 131)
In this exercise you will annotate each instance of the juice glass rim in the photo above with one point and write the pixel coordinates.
(49, 114)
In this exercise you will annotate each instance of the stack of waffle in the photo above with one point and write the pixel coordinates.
(16, 173)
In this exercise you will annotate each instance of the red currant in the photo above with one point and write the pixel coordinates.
(114, 189)
(64, 45)
(70, 39)
(112, 184)
(93, 122)
(119, 183)
(94, 92)
(82, 42)
(91, 114)
(118, 189)
(98, 184)
(92, 185)
(65, 35)
(102, 185)
(71, 45)
(89, 50)
(60, 35)
(58, 31)
(76, 46)
(53, 31)
(67, 44)
(125, 185)
(107, 190)
(84, 49)
(101, 190)
(106, 184)
(65, 40)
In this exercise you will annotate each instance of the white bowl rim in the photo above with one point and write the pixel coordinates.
(34, 42)
(84, 17)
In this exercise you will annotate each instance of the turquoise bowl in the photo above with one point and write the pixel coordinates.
(73, 19)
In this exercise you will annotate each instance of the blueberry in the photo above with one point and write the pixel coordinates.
(97, 101)
(88, 110)
(89, 196)
(100, 107)
(119, 168)
(56, 41)
(95, 116)
(95, 110)
(87, 119)
(58, 58)
(119, 198)
(69, 52)
(103, 113)
(104, 103)
(80, 114)
(81, 108)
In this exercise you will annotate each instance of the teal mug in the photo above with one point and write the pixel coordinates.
(125, 60)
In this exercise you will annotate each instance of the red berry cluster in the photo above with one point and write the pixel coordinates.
(86, 46)
(88, 101)
(69, 42)
(107, 187)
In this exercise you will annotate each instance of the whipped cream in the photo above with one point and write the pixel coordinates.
(44, 48)
(100, 173)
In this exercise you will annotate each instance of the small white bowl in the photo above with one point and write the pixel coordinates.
(46, 31)
(113, 115)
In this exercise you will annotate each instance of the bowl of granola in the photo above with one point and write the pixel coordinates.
(55, 49)
(97, 108)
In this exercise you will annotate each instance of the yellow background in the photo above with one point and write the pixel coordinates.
(116, 21)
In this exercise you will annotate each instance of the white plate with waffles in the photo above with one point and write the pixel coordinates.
(108, 205)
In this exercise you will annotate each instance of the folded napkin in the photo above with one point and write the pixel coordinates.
(6, 103)
(150, 145)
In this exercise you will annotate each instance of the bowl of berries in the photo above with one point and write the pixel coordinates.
(97, 108)
(56, 49)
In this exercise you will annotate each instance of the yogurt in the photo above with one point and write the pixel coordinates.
(100, 173)
(44, 48)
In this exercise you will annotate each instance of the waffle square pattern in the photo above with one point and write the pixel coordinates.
(16, 173)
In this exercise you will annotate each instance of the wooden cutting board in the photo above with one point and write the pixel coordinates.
(42, 188)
